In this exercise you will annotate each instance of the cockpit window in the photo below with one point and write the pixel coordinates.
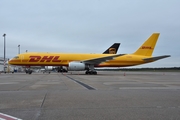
(16, 57)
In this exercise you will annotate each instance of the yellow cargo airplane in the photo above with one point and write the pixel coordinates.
(78, 62)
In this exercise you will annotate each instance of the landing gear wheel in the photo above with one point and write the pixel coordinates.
(87, 72)
(28, 71)
(91, 73)
(94, 72)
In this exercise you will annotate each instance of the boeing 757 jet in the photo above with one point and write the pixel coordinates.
(79, 61)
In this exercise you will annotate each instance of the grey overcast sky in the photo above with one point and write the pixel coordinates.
(91, 26)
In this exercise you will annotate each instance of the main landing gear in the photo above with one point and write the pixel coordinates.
(91, 70)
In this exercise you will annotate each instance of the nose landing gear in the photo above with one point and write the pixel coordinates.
(29, 71)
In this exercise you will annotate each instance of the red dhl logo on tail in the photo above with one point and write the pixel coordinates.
(146, 47)
(44, 59)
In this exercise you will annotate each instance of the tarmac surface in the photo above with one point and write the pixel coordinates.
(106, 96)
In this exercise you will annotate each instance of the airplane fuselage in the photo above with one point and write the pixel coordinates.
(62, 59)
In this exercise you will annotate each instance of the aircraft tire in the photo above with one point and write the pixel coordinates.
(30, 71)
(87, 72)
(91, 73)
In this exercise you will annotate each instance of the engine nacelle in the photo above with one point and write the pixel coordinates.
(76, 66)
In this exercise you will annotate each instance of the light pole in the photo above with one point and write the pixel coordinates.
(4, 35)
(19, 49)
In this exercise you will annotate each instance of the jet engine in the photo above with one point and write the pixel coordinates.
(77, 66)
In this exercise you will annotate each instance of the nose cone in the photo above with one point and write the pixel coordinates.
(14, 60)
(9, 62)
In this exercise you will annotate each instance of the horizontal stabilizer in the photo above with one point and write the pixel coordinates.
(155, 58)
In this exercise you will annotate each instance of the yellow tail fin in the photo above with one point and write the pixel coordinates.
(148, 46)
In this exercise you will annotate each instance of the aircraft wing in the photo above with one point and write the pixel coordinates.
(156, 58)
(96, 61)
